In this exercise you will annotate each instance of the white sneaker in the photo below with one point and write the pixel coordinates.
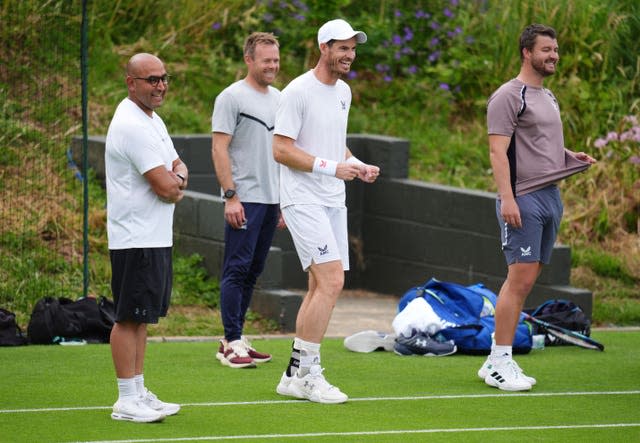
(369, 341)
(135, 411)
(487, 366)
(507, 377)
(284, 386)
(315, 387)
(151, 400)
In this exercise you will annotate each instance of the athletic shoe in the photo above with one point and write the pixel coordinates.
(150, 399)
(369, 341)
(422, 344)
(314, 387)
(257, 357)
(234, 355)
(284, 386)
(135, 411)
(487, 366)
(507, 377)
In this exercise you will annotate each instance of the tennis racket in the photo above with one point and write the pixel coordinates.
(567, 335)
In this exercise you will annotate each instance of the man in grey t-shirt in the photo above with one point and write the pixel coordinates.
(528, 157)
(242, 125)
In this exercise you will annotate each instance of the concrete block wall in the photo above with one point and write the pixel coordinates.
(402, 231)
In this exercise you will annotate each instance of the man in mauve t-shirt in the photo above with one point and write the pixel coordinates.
(528, 158)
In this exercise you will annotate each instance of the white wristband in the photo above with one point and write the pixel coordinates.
(353, 159)
(324, 166)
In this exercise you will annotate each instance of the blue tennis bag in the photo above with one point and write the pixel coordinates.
(470, 309)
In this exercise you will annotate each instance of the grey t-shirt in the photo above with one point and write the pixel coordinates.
(248, 116)
(531, 117)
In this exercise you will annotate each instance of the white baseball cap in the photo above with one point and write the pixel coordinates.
(339, 29)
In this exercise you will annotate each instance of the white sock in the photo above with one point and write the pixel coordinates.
(139, 378)
(127, 389)
(309, 356)
(500, 353)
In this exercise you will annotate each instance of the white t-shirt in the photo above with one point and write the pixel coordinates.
(137, 143)
(248, 116)
(315, 116)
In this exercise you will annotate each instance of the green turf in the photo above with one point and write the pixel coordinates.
(580, 396)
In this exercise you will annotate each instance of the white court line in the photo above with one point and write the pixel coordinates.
(374, 433)
(274, 402)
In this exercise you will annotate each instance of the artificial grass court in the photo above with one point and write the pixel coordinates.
(65, 393)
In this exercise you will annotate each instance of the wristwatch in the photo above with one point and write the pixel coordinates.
(229, 193)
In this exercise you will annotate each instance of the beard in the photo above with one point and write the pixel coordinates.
(539, 65)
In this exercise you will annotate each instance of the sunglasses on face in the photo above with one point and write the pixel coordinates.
(153, 80)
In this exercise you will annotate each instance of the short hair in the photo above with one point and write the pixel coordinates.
(256, 38)
(531, 32)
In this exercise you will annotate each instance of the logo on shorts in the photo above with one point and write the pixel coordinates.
(525, 252)
(324, 250)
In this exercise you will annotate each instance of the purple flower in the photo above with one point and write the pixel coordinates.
(352, 74)
(421, 14)
(600, 143)
(612, 136)
(444, 86)
(412, 69)
(434, 56)
(470, 39)
(634, 159)
(387, 78)
(397, 55)
(300, 5)
(408, 34)
(631, 119)
(406, 50)
(396, 40)
(216, 26)
(299, 17)
(454, 3)
(268, 18)
(434, 25)
(447, 13)
(397, 13)
(382, 68)
(434, 41)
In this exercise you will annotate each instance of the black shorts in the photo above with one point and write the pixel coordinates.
(141, 283)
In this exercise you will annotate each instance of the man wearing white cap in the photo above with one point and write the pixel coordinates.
(310, 142)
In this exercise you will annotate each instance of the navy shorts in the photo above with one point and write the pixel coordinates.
(540, 212)
(141, 283)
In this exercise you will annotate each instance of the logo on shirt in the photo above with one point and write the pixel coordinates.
(324, 250)
(525, 252)
(323, 163)
(344, 105)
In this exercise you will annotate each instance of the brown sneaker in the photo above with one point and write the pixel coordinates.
(258, 357)
(234, 355)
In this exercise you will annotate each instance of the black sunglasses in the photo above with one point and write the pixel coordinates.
(153, 80)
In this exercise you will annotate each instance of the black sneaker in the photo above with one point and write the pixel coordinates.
(423, 344)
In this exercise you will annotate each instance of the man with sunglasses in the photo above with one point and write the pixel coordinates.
(145, 178)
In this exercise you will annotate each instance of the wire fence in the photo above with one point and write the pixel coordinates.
(43, 245)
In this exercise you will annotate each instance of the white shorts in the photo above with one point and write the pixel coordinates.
(319, 233)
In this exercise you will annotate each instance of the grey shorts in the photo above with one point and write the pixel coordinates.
(541, 212)
(141, 283)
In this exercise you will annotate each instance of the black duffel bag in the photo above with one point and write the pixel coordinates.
(55, 320)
